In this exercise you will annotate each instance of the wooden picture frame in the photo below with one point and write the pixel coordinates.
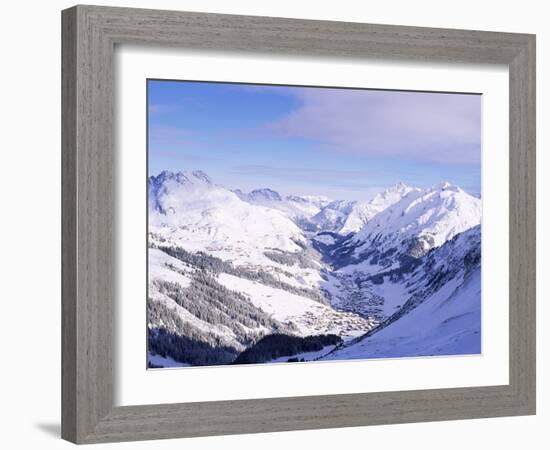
(90, 34)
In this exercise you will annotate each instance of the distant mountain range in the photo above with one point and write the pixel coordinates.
(395, 276)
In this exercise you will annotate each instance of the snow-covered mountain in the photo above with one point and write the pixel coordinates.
(409, 228)
(188, 210)
(260, 195)
(333, 215)
(321, 214)
(320, 201)
(370, 269)
(299, 208)
(224, 272)
(228, 269)
(345, 217)
(441, 308)
(362, 212)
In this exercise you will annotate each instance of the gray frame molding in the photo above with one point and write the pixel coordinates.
(89, 37)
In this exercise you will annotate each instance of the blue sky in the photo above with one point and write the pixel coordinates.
(343, 143)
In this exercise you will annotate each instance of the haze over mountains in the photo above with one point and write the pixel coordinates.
(239, 277)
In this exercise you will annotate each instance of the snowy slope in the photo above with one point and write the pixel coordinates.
(345, 217)
(333, 216)
(210, 251)
(446, 323)
(190, 305)
(420, 221)
(165, 268)
(189, 210)
(432, 217)
(307, 317)
(320, 201)
(380, 292)
(362, 212)
(319, 213)
(299, 208)
(440, 305)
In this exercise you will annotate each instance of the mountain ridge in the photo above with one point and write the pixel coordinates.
(292, 264)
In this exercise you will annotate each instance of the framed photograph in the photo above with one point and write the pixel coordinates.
(278, 224)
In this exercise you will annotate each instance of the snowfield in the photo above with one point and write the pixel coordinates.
(161, 267)
(189, 210)
(447, 323)
(309, 316)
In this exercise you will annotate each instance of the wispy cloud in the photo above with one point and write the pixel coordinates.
(307, 175)
(443, 128)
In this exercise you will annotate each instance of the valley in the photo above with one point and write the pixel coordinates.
(258, 277)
